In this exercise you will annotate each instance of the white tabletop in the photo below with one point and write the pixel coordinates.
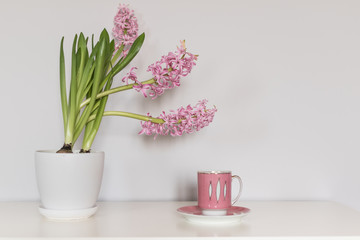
(154, 220)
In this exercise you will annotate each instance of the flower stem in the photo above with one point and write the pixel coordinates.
(129, 115)
(117, 55)
(115, 90)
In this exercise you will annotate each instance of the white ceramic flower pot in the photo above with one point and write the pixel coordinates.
(68, 183)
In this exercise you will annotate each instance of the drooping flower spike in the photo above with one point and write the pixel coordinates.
(183, 120)
(167, 72)
(125, 29)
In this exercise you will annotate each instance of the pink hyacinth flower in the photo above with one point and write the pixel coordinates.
(125, 29)
(167, 72)
(130, 75)
(170, 68)
(183, 120)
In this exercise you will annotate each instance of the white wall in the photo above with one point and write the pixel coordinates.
(284, 76)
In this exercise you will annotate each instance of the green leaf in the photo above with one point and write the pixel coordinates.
(98, 76)
(82, 57)
(72, 98)
(135, 48)
(86, 83)
(104, 35)
(112, 46)
(63, 96)
(91, 133)
(86, 76)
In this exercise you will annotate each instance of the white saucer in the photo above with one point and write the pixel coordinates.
(67, 215)
(194, 214)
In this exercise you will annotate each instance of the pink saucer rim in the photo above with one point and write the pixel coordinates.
(196, 211)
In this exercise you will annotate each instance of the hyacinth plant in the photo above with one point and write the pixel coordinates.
(93, 70)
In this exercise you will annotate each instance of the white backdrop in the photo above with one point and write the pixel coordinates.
(284, 76)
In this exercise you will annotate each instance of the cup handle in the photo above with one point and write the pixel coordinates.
(240, 189)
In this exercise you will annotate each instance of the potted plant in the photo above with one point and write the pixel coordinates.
(69, 180)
